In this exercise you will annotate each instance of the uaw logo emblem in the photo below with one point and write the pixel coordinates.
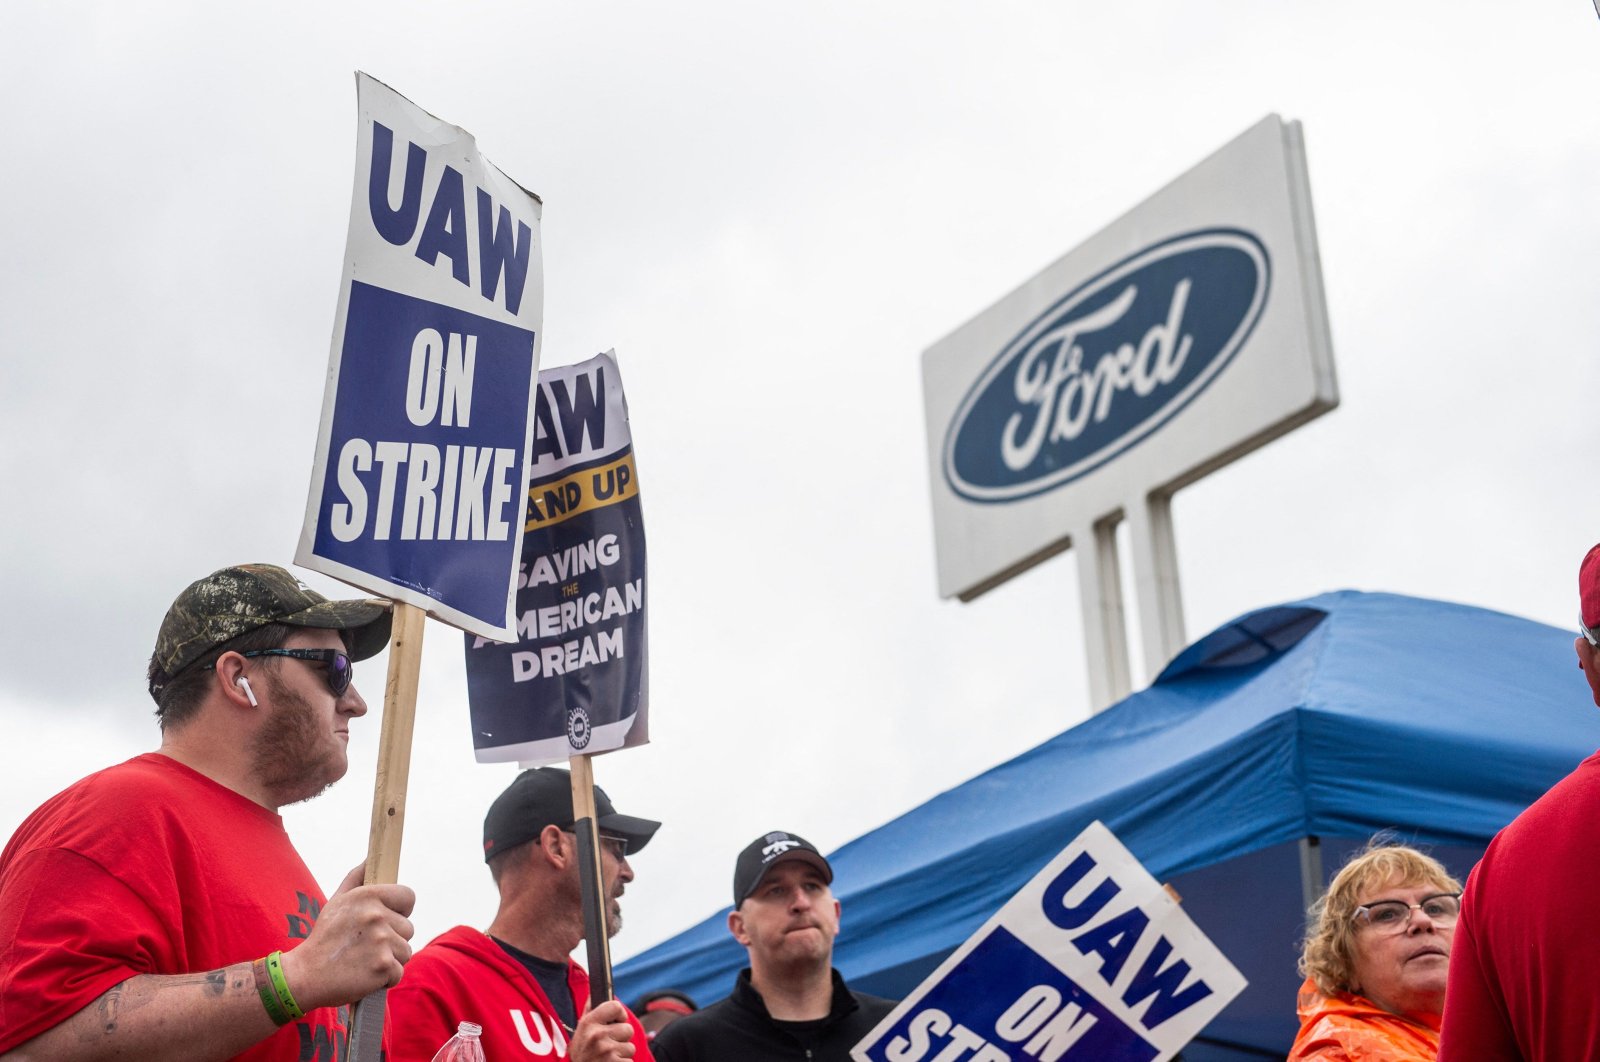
(578, 729)
(1107, 365)
(777, 844)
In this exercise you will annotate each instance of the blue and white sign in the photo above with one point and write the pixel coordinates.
(576, 679)
(419, 487)
(1092, 960)
(1180, 337)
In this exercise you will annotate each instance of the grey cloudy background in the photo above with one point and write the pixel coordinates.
(769, 211)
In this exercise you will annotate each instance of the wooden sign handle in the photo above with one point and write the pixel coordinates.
(394, 745)
(389, 798)
(596, 934)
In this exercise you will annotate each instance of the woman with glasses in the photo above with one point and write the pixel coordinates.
(1377, 950)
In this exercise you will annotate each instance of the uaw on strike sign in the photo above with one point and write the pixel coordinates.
(576, 680)
(1091, 961)
(419, 486)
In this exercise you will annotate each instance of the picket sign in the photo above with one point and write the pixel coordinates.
(1091, 961)
(419, 480)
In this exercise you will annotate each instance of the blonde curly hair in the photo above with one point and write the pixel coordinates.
(1328, 955)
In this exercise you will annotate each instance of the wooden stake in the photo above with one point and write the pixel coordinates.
(596, 934)
(394, 745)
(389, 796)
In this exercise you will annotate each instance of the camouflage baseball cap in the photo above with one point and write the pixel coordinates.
(230, 602)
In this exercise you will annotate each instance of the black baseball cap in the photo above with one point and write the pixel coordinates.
(766, 852)
(543, 797)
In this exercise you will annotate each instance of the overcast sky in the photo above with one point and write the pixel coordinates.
(770, 211)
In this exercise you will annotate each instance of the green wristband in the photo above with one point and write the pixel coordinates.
(268, 994)
(281, 986)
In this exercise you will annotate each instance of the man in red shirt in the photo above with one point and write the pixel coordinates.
(157, 909)
(1521, 982)
(517, 979)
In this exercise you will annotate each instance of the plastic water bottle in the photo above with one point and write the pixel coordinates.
(463, 1046)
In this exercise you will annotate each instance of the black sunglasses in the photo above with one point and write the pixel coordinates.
(340, 669)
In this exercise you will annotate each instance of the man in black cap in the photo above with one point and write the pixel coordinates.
(517, 980)
(790, 1003)
(157, 909)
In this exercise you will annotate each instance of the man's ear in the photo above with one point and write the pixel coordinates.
(736, 927)
(230, 668)
(552, 847)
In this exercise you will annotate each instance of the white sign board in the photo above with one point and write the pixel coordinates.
(420, 482)
(1182, 336)
(1091, 961)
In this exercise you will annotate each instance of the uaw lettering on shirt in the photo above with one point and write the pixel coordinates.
(1066, 392)
(542, 1036)
(1042, 1023)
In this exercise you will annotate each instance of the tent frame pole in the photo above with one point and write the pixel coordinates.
(1311, 879)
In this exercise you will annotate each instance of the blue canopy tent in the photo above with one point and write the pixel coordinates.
(1330, 718)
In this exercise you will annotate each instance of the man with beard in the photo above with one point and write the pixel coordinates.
(157, 909)
(517, 979)
(790, 1003)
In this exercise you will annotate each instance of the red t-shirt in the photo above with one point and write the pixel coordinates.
(463, 975)
(1522, 966)
(150, 867)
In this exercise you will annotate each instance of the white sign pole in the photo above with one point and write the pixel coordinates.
(1155, 574)
(1105, 623)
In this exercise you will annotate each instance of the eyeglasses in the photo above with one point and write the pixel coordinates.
(340, 669)
(1392, 916)
(1588, 633)
(617, 846)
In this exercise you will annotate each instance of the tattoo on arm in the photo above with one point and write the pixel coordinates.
(117, 1001)
(110, 1009)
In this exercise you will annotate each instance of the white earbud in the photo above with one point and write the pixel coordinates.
(244, 684)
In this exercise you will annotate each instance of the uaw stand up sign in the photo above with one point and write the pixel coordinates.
(1182, 336)
(1092, 960)
(575, 680)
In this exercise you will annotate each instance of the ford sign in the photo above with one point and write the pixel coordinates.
(1107, 365)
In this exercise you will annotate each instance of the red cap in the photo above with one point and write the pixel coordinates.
(1589, 588)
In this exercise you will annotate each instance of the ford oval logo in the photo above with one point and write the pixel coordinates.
(1107, 365)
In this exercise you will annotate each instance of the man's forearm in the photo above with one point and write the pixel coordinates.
(200, 1017)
